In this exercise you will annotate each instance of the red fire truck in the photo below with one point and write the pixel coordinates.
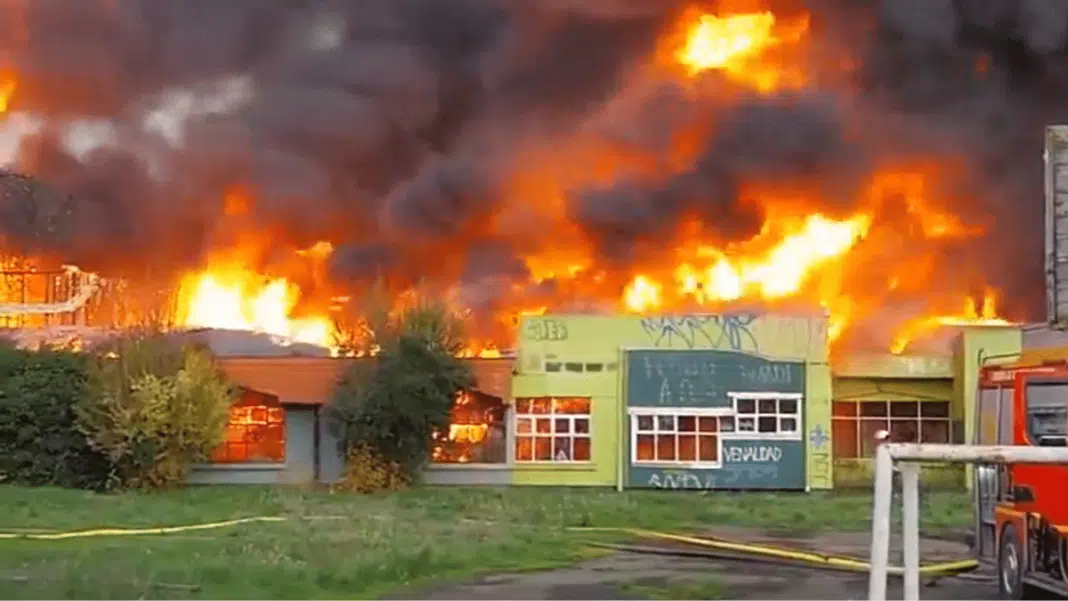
(1022, 510)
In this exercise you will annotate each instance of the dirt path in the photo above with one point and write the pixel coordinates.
(627, 575)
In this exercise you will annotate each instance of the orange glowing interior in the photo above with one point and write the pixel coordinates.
(255, 431)
(467, 440)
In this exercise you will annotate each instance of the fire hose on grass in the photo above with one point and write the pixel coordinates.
(721, 548)
(738, 550)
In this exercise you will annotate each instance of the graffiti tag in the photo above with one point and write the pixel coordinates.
(737, 476)
(769, 374)
(545, 330)
(752, 454)
(714, 331)
(688, 370)
(818, 438)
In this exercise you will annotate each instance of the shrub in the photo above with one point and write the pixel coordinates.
(155, 409)
(386, 410)
(40, 441)
(366, 471)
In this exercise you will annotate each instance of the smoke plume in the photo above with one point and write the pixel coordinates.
(414, 133)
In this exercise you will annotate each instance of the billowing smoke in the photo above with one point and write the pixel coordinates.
(399, 128)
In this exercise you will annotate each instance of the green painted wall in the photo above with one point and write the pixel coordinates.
(747, 464)
(705, 379)
(582, 355)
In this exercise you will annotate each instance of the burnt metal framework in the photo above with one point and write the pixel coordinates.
(39, 298)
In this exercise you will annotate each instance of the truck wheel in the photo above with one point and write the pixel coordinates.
(1062, 550)
(1010, 565)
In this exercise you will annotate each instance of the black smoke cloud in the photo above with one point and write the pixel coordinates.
(392, 126)
(375, 122)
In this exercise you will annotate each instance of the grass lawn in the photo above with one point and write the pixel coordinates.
(351, 546)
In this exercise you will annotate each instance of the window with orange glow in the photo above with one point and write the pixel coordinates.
(855, 424)
(476, 432)
(677, 438)
(255, 432)
(552, 430)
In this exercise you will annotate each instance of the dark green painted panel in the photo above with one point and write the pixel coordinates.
(702, 378)
(747, 464)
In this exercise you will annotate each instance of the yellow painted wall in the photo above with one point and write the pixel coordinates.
(997, 345)
(890, 389)
(973, 345)
(575, 343)
(858, 472)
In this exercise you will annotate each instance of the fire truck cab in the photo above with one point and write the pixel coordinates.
(1022, 510)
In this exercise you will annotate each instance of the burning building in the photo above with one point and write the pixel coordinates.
(266, 165)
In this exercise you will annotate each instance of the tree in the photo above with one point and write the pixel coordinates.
(154, 408)
(40, 440)
(387, 409)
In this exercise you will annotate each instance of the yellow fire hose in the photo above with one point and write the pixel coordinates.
(837, 562)
(793, 555)
(132, 531)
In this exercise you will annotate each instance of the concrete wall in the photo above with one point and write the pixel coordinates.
(331, 459)
(582, 355)
(1040, 343)
(298, 468)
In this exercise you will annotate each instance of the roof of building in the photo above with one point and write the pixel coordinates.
(311, 380)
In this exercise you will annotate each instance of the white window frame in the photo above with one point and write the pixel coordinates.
(756, 397)
(696, 412)
(552, 416)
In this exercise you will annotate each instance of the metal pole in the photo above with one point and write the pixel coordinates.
(880, 523)
(910, 496)
(976, 454)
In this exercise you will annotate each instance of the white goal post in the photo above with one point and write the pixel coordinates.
(908, 454)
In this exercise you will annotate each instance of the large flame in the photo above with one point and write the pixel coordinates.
(229, 296)
(800, 254)
(971, 315)
(804, 254)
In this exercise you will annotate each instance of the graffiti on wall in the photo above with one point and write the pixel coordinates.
(732, 332)
(545, 330)
(704, 378)
(729, 476)
(818, 442)
(753, 453)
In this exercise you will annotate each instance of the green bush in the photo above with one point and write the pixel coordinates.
(366, 472)
(387, 409)
(40, 441)
(154, 409)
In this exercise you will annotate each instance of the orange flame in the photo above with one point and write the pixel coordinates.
(231, 297)
(985, 314)
(838, 262)
(737, 45)
(8, 84)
